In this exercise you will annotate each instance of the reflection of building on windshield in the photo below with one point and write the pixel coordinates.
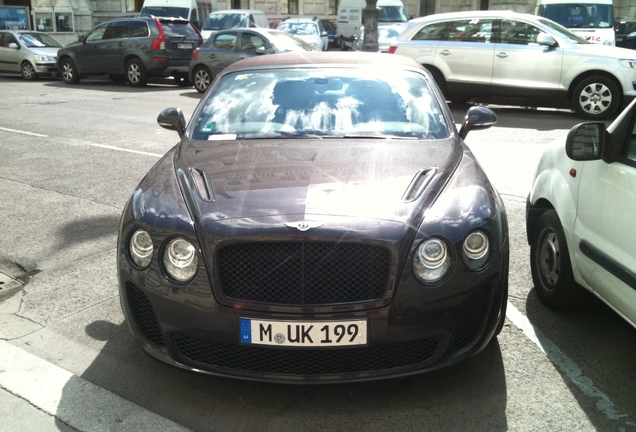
(265, 103)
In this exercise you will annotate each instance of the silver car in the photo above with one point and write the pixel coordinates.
(519, 57)
(28, 53)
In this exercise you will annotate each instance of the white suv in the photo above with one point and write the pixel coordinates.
(520, 57)
(308, 29)
(580, 217)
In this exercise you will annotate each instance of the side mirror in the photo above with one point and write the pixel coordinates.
(260, 51)
(586, 141)
(477, 117)
(324, 33)
(172, 119)
(13, 45)
(82, 39)
(546, 39)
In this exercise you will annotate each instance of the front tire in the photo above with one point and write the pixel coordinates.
(550, 264)
(596, 98)
(28, 71)
(202, 78)
(70, 74)
(136, 74)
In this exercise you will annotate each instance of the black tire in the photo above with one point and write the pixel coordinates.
(550, 264)
(439, 80)
(202, 78)
(28, 71)
(136, 74)
(343, 45)
(596, 98)
(70, 74)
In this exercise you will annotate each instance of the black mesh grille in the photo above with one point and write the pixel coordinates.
(306, 362)
(144, 315)
(471, 319)
(304, 273)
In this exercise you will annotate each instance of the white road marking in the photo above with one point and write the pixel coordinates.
(24, 132)
(126, 150)
(563, 362)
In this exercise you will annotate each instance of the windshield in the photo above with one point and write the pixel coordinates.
(286, 42)
(579, 15)
(563, 32)
(225, 21)
(392, 14)
(38, 40)
(299, 29)
(320, 103)
(178, 12)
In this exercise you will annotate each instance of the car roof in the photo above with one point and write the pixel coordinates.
(475, 14)
(326, 58)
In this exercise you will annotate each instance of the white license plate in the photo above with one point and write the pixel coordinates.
(303, 333)
(184, 46)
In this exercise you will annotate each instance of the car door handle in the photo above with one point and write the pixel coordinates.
(502, 55)
(445, 52)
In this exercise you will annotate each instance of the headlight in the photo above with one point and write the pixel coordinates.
(45, 58)
(180, 259)
(629, 63)
(432, 261)
(141, 248)
(476, 250)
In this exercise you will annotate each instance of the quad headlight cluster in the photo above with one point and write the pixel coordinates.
(433, 258)
(178, 256)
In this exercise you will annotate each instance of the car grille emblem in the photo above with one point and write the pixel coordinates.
(303, 225)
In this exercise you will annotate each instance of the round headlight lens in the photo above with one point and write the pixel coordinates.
(141, 248)
(432, 261)
(476, 250)
(180, 259)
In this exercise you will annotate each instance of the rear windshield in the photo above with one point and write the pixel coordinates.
(225, 21)
(180, 28)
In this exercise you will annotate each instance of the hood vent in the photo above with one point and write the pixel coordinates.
(202, 184)
(418, 184)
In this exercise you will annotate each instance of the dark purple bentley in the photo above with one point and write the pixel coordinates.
(321, 220)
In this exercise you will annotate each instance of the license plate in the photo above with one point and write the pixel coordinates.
(184, 46)
(303, 333)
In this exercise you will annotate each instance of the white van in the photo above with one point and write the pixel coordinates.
(350, 18)
(592, 19)
(233, 18)
(196, 11)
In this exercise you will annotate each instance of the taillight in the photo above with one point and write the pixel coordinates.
(160, 42)
(195, 52)
(392, 49)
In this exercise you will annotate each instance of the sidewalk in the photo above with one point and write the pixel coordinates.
(32, 389)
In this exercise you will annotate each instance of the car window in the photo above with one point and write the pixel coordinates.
(225, 42)
(38, 40)
(138, 29)
(179, 28)
(9, 39)
(342, 102)
(518, 32)
(97, 33)
(630, 150)
(465, 30)
(116, 30)
(250, 42)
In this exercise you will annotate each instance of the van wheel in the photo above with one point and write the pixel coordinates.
(596, 98)
(202, 78)
(28, 71)
(343, 45)
(70, 74)
(136, 74)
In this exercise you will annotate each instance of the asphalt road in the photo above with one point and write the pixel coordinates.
(70, 157)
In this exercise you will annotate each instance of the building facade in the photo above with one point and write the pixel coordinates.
(66, 19)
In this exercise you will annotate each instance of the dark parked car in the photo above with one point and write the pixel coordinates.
(28, 53)
(625, 32)
(132, 50)
(320, 220)
(227, 46)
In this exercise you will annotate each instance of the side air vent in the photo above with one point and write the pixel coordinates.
(202, 185)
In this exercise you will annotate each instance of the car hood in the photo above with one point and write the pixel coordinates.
(266, 180)
(52, 51)
(606, 51)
